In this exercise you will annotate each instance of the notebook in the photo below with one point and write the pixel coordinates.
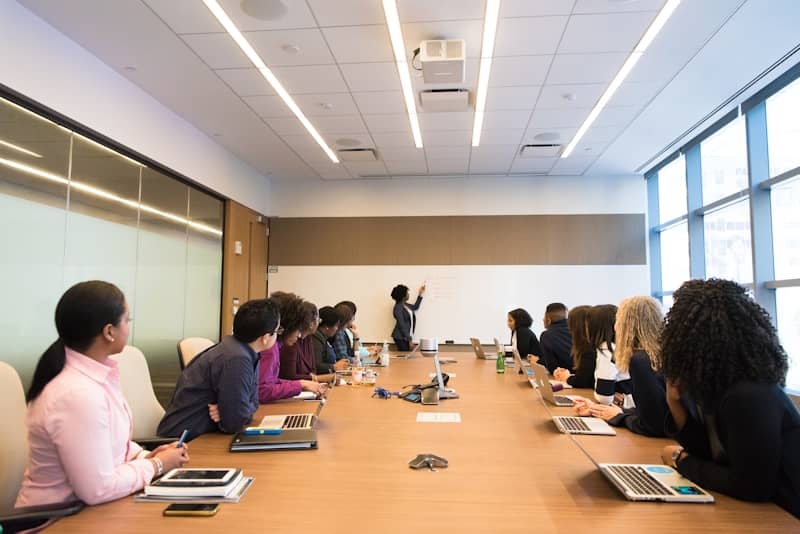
(478, 349)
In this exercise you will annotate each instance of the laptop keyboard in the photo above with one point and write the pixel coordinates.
(574, 424)
(638, 480)
(297, 421)
(566, 401)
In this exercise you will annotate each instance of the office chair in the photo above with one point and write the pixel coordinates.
(14, 458)
(190, 347)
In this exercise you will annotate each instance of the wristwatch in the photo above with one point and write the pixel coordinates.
(676, 455)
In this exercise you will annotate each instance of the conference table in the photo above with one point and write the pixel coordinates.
(509, 470)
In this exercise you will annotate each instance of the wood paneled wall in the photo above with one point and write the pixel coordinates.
(597, 239)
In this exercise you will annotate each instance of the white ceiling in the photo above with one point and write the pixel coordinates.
(343, 77)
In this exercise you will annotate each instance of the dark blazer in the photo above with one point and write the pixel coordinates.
(556, 345)
(648, 417)
(527, 343)
(402, 327)
(584, 373)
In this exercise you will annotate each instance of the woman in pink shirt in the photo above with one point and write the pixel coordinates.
(79, 425)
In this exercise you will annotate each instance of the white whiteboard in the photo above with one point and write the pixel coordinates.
(461, 301)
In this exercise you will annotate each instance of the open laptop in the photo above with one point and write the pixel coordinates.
(499, 347)
(593, 426)
(478, 349)
(275, 432)
(444, 393)
(542, 382)
(415, 352)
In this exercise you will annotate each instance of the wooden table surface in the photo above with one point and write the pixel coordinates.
(510, 471)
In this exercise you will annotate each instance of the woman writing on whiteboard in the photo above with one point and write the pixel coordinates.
(405, 316)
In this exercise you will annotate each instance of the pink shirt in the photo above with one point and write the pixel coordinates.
(79, 434)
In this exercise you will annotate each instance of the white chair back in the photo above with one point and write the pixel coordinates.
(14, 436)
(190, 347)
(138, 390)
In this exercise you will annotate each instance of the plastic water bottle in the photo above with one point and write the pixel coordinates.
(385, 357)
(500, 363)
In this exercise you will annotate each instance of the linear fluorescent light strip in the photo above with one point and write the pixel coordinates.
(630, 62)
(396, 36)
(254, 58)
(487, 49)
(18, 148)
(101, 193)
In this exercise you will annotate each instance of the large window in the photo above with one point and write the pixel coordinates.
(74, 210)
(672, 190)
(783, 129)
(788, 300)
(724, 162)
(727, 241)
(674, 257)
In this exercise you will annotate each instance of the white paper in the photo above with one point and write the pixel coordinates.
(438, 417)
(451, 375)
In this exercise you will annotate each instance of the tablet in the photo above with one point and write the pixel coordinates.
(197, 477)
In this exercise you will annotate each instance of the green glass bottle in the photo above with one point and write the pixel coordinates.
(501, 363)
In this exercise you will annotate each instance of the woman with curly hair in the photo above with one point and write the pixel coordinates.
(725, 369)
(637, 352)
(583, 354)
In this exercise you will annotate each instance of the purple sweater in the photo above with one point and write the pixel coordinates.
(298, 361)
(270, 387)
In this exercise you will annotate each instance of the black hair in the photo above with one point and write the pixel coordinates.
(555, 307)
(576, 322)
(290, 306)
(328, 317)
(399, 293)
(350, 304)
(254, 319)
(345, 313)
(81, 314)
(522, 319)
(716, 335)
(309, 315)
(600, 325)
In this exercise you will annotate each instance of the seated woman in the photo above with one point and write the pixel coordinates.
(78, 421)
(584, 356)
(725, 368)
(270, 386)
(297, 359)
(637, 352)
(522, 337)
(324, 354)
(405, 316)
(346, 342)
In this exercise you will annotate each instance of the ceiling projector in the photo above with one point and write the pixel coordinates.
(442, 61)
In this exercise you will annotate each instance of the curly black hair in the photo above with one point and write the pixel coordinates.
(294, 315)
(399, 293)
(715, 335)
(522, 319)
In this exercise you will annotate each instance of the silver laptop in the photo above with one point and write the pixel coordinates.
(478, 349)
(593, 426)
(546, 389)
(291, 431)
(444, 393)
(499, 347)
(527, 371)
(644, 482)
(415, 352)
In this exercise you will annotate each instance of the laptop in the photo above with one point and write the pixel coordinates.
(279, 432)
(478, 349)
(542, 382)
(499, 347)
(527, 371)
(417, 351)
(444, 393)
(593, 426)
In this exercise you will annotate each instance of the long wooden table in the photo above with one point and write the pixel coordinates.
(510, 471)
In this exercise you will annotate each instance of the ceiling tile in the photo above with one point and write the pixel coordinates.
(447, 138)
(246, 82)
(519, 98)
(448, 166)
(297, 16)
(564, 135)
(359, 44)
(185, 16)
(425, 10)
(589, 148)
(535, 8)
(528, 36)
(217, 50)
(604, 6)
(519, 70)
(392, 139)
(501, 137)
(578, 95)
(310, 79)
(371, 76)
(366, 168)
(505, 120)
(402, 153)
(616, 116)
(377, 102)
(635, 93)
(447, 152)
(584, 68)
(396, 122)
(494, 152)
(458, 120)
(469, 30)
(602, 134)
(286, 126)
(572, 165)
(558, 118)
(347, 12)
(311, 47)
(343, 124)
(268, 106)
(331, 171)
(348, 140)
(537, 165)
(489, 166)
(617, 32)
(401, 167)
(319, 105)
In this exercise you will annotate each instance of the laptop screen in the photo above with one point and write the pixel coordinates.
(438, 367)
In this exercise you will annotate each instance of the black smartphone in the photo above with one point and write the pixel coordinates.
(191, 509)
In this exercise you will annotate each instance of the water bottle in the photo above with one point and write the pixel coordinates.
(385, 357)
(500, 363)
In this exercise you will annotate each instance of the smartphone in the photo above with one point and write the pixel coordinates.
(191, 509)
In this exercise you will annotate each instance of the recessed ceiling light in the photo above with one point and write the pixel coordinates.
(264, 9)
(290, 48)
(547, 136)
(347, 141)
(569, 97)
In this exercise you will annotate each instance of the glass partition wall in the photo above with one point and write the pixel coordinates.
(72, 210)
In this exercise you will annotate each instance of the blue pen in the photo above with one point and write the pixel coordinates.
(184, 435)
